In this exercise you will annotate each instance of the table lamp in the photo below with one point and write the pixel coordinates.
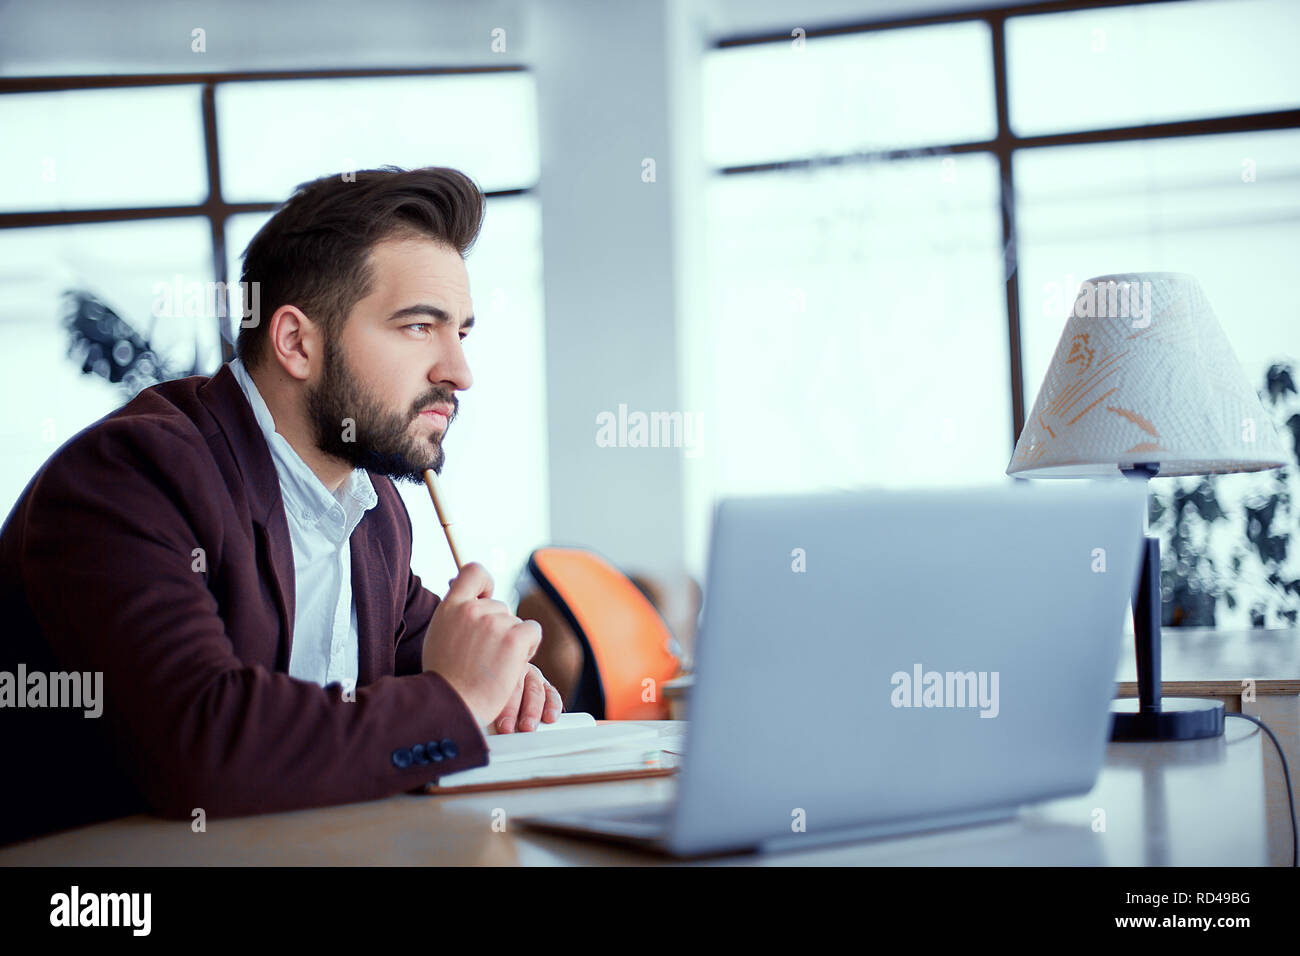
(1144, 383)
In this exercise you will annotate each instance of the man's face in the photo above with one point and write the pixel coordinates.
(399, 354)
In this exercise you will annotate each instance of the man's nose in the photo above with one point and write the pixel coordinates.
(453, 369)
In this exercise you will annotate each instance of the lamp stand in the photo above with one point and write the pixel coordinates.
(1151, 716)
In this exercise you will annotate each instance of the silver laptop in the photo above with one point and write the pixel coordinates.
(881, 662)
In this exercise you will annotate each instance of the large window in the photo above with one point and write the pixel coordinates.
(899, 218)
(115, 186)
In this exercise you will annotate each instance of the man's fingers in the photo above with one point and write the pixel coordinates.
(531, 632)
(490, 606)
(554, 705)
(472, 582)
(534, 699)
(506, 722)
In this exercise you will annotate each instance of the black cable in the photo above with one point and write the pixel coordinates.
(1286, 772)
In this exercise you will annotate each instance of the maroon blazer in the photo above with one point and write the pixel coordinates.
(99, 572)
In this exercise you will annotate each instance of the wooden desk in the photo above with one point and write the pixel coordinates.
(1199, 803)
(1206, 662)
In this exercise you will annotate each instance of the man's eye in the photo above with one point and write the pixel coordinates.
(419, 325)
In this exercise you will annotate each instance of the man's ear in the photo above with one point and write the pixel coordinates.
(559, 656)
(290, 326)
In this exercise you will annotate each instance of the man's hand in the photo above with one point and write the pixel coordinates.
(532, 699)
(480, 648)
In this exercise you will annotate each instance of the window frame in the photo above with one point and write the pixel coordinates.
(215, 208)
(1005, 142)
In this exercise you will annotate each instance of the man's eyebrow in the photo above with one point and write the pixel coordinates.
(432, 311)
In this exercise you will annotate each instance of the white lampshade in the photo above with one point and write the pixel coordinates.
(1144, 373)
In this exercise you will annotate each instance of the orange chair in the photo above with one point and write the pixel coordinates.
(625, 642)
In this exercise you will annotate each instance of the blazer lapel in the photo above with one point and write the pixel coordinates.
(228, 405)
(371, 588)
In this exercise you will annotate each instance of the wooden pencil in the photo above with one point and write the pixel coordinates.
(443, 519)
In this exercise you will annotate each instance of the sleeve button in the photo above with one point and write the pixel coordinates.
(401, 758)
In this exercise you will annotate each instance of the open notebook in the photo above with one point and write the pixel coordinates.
(573, 749)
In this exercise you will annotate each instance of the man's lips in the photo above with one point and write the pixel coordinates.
(440, 416)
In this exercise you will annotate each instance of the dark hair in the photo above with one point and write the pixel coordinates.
(314, 253)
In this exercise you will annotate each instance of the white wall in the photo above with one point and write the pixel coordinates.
(612, 96)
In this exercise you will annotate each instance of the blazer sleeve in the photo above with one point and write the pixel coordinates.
(109, 566)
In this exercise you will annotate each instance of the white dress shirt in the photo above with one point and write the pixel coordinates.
(324, 648)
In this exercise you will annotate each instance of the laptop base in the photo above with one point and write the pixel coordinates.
(646, 827)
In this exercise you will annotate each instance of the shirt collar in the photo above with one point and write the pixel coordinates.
(304, 493)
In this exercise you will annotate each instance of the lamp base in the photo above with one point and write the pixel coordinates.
(1179, 718)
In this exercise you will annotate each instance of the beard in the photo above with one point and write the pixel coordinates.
(378, 440)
